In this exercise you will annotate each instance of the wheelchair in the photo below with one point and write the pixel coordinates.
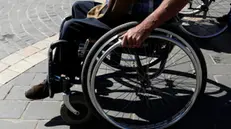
(153, 86)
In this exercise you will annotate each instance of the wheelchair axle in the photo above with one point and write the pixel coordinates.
(142, 73)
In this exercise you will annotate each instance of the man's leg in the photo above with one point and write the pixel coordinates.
(80, 10)
(73, 31)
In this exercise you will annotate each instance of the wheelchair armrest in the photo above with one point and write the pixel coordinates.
(56, 44)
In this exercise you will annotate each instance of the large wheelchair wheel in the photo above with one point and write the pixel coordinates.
(205, 18)
(152, 96)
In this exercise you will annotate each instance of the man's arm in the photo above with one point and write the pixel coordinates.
(167, 9)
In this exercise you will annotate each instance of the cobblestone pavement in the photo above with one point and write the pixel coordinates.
(25, 22)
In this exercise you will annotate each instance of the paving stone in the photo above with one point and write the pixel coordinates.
(36, 58)
(217, 85)
(7, 75)
(4, 90)
(12, 109)
(42, 28)
(5, 28)
(3, 17)
(216, 92)
(33, 31)
(57, 97)
(208, 59)
(24, 79)
(40, 110)
(29, 40)
(209, 90)
(54, 125)
(17, 93)
(49, 22)
(8, 36)
(28, 51)
(56, 19)
(18, 28)
(20, 42)
(17, 124)
(10, 47)
(99, 1)
(12, 59)
(39, 77)
(15, 41)
(222, 58)
(42, 44)
(45, 19)
(21, 66)
(45, 51)
(29, 22)
(58, 9)
(2, 54)
(7, 8)
(66, 8)
(211, 81)
(53, 38)
(219, 69)
(224, 79)
(40, 68)
(23, 35)
(3, 66)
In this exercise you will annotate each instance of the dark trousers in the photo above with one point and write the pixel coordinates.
(76, 30)
(81, 27)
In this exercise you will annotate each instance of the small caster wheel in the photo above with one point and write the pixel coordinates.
(85, 115)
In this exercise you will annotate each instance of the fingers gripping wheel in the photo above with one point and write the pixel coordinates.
(83, 115)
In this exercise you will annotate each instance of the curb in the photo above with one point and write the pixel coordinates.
(22, 60)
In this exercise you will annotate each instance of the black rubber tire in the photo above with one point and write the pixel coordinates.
(78, 102)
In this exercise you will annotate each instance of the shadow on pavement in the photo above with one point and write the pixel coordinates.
(96, 123)
(214, 112)
(218, 44)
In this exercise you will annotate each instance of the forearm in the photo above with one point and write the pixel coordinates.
(167, 10)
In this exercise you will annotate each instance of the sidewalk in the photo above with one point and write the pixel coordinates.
(23, 63)
(27, 27)
(17, 111)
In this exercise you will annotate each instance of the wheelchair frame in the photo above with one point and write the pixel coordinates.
(66, 83)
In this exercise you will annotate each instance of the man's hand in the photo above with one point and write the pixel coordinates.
(134, 37)
(167, 9)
